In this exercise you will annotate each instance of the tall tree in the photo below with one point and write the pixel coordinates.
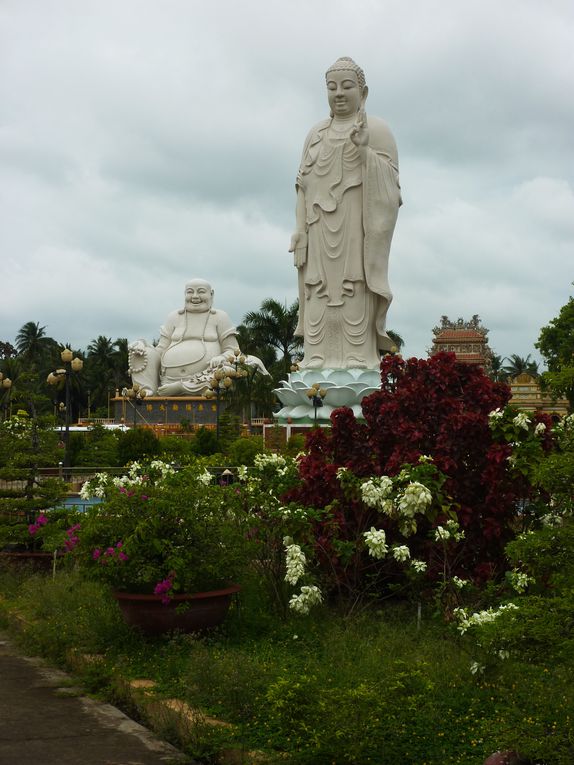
(273, 325)
(556, 344)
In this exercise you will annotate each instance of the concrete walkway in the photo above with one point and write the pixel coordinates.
(46, 721)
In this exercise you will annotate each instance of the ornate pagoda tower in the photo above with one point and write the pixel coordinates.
(466, 339)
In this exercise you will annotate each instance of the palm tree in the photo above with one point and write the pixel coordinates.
(273, 326)
(107, 365)
(33, 345)
(518, 365)
(121, 363)
(495, 367)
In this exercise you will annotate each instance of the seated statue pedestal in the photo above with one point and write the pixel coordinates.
(168, 412)
(339, 387)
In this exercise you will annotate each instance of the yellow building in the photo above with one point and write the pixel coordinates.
(526, 394)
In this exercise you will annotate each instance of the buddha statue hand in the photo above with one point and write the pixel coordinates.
(360, 130)
(299, 248)
(144, 363)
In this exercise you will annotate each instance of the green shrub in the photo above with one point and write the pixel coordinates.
(137, 443)
(205, 442)
(242, 451)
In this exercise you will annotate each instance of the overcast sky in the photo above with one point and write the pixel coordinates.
(145, 142)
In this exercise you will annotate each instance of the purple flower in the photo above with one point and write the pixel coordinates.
(109, 551)
(96, 554)
(144, 497)
(122, 556)
(162, 588)
(32, 528)
(41, 520)
(70, 543)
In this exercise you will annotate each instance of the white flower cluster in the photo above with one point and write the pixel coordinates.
(401, 553)
(551, 520)
(415, 499)
(299, 513)
(376, 542)
(459, 583)
(126, 480)
(522, 420)
(376, 492)
(419, 566)
(164, 467)
(441, 534)
(95, 487)
(540, 429)
(476, 668)
(242, 472)
(276, 461)
(465, 622)
(205, 477)
(309, 596)
(18, 426)
(449, 531)
(494, 416)
(295, 561)
(519, 581)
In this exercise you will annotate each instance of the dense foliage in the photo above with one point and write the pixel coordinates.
(427, 412)
(556, 344)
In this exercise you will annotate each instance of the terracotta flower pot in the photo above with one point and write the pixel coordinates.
(197, 612)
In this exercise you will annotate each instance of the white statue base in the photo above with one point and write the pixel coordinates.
(342, 387)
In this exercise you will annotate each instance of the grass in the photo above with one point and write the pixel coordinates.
(314, 690)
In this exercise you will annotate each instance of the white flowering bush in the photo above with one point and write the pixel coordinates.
(19, 425)
(137, 475)
(466, 621)
(309, 597)
(528, 436)
(376, 542)
(295, 561)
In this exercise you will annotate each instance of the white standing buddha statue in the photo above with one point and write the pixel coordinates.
(348, 197)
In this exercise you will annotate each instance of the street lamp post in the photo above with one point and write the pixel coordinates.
(222, 381)
(316, 394)
(6, 385)
(71, 364)
(135, 395)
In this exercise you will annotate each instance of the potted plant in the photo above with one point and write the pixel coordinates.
(167, 544)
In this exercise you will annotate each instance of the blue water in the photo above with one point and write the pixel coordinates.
(77, 502)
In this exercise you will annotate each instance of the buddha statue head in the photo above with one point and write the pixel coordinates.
(198, 296)
(346, 88)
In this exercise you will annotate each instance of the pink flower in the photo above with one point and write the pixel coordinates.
(96, 554)
(162, 588)
(122, 556)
